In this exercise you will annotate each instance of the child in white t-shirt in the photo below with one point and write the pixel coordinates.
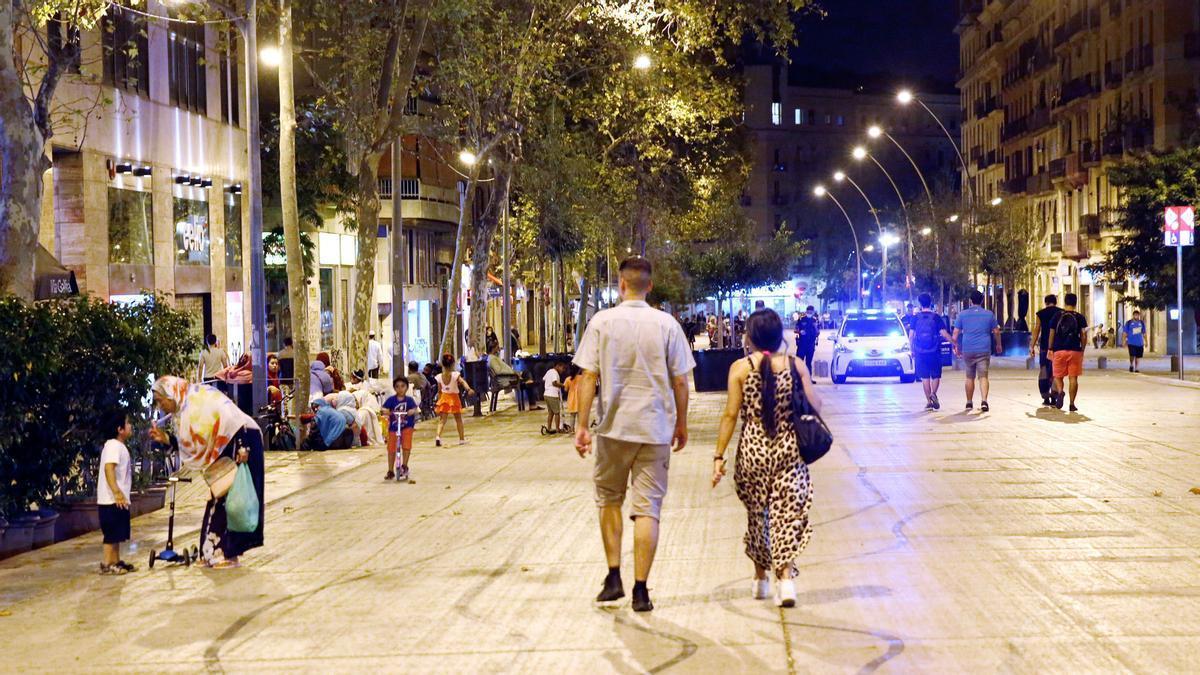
(113, 484)
(552, 393)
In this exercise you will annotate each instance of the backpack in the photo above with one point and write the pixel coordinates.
(926, 338)
(1066, 332)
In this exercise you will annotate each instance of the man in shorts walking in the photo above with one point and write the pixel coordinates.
(1135, 341)
(1068, 339)
(925, 332)
(641, 358)
(976, 327)
(1043, 322)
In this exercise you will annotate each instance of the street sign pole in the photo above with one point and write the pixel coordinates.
(1179, 230)
(1179, 305)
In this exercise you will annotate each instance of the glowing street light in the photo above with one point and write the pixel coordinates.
(926, 231)
(869, 248)
(953, 218)
(819, 191)
(270, 56)
(997, 201)
(888, 239)
(467, 157)
(839, 176)
(642, 62)
(859, 153)
(905, 97)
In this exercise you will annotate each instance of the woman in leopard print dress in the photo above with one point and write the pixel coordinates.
(771, 479)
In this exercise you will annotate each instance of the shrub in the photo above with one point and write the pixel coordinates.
(65, 364)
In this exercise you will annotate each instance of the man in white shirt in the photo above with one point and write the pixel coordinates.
(212, 359)
(641, 358)
(374, 356)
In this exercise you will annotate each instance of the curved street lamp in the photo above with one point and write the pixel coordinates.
(860, 153)
(820, 191)
(905, 97)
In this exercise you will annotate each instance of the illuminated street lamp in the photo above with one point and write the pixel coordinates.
(996, 201)
(820, 191)
(642, 62)
(905, 97)
(953, 218)
(467, 157)
(270, 56)
(860, 153)
(886, 240)
(926, 231)
(840, 176)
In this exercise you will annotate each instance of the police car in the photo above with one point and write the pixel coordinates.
(871, 343)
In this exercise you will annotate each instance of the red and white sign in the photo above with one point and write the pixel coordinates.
(1179, 226)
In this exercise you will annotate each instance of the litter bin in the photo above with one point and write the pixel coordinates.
(712, 368)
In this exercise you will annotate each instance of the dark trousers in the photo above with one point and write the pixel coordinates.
(806, 352)
(1045, 374)
(214, 532)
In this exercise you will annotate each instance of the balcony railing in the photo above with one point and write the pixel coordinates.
(1090, 224)
(987, 106)
(410, 188)
(1058, 168)
(1039, 118)
(1074, 245)
(1015, 185)
(1014, 128)
(1038, 183)
(1075, 89)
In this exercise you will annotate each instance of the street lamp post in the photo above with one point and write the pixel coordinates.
(820, 191)
(886, 240)
(904, 97)
(860, 153)
(399, 267)
(839, 176)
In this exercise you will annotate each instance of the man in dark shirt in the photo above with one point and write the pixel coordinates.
(1043, 321)
(1068, 339)
(808, 329)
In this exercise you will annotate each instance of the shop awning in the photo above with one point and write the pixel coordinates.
(50, 278)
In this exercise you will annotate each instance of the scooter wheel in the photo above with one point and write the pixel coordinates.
(545, 431)
(153, 557)
(187, 559)
(195, 553)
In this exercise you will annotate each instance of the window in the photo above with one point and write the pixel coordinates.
(828, 119)
(191, 232)
(841, 120)
(776, 113)
(326, 283)
(62, 42)
(231, 112)
(799, 115)
(421, 257)
(126, 51)
(185, 60)
(233, 230)
(130, 227)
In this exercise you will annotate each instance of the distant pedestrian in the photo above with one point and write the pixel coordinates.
(450, 387)
(974, 331)
(771, 477)
(910, 313)
(402, 421)
(808, 331)
(374, 356)
(417, 382)
(1135, 341)
(113, 485)
(759, 304)
(1043, 323)
(925, 333)
(1068, 339)
(490, 340)
(212, 360)
(552, 393)
(641, 359)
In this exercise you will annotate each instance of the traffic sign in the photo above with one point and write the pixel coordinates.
(1179, 226)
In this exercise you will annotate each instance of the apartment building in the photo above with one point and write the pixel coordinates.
(804, 126)
(1055, 93)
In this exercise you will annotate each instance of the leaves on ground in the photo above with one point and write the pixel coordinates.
(1195, 491)
(1158, 493)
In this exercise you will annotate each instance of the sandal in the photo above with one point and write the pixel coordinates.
(225, 565)
(112, 570)
(126, 566)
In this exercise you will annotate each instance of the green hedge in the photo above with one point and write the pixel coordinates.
(64, 365)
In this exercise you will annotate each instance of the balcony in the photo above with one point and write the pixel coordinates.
(1090, 224)
(410, 188)
(1038, 183)
(1014, 128)
(1113, 74)
(987, 106)
(1089, 153)
(1080, 87)
(1074, 245)
(1058, 168)
(1015, 185)
(1039, 118)
(1112, 144)
(1056, 242)
(1139, 136)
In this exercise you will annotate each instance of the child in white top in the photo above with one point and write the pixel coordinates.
(113, 485)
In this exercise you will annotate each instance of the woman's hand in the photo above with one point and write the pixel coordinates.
(718, 470)
(159, 436)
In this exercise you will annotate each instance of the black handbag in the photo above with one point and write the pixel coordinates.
(812, 434)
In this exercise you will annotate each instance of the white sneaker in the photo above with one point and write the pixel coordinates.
(785, 593)
(462, 442)
(401, 475)
(762, 589)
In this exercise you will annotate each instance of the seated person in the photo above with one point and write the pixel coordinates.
(328, 430)
(345, 403)
(506, 377)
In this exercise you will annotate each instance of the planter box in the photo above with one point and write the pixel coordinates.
(151, 499)
(712, 368)
(43, 531)
(76, 518)
(18, 538)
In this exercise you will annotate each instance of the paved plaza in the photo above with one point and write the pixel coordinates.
(1019, 540)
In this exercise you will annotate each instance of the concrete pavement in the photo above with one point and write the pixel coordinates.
(1017, 540)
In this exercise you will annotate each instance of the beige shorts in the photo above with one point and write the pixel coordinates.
(620, 464)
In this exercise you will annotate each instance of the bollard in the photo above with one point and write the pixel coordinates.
(1174, 363)
(820, 369)
(1102, 363)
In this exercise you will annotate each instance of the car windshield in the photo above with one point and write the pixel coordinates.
(872, 327)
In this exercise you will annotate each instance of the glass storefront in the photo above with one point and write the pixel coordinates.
(233, 231)
(191, 232)
(327, 330)
(130, 227)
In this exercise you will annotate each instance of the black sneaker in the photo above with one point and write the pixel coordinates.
(1073, 408)
(1046, 401)
(613, 589)
(1131, 369)
(126, 566)
(929, 405)
(970, 405)
(983, 407)
(937, 405)
(641, 600)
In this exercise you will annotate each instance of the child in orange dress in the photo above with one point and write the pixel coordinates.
(450, 387)
(570, 386)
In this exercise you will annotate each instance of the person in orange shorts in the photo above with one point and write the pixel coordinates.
(451, 386)
(1068, 340)
(402, 420)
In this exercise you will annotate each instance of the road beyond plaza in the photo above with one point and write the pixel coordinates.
(1021, 539)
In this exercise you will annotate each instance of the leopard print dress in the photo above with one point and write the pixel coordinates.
(771, 479)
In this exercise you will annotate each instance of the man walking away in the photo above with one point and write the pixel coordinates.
(374, 356)
(213, 359)
(642, 361)
(1068, 339)
(1135, 341)
(807, 332)
(1043, 323)
(977, 328)
(925, 332)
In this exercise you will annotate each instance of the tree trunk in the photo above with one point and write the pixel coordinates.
(367, 215)
(466, 206)
(542, 311)
(720, 325)
(297, 284)
(22, 162)
(481, 258)
(581, 317)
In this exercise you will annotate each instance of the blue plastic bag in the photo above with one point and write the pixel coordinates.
(241, 504)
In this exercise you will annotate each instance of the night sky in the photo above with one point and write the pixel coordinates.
(912, 38)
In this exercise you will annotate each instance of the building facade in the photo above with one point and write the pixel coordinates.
(1054, 94)
(804, 128)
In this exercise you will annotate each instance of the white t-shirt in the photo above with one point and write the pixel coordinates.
(548, 382)
(114, 452)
